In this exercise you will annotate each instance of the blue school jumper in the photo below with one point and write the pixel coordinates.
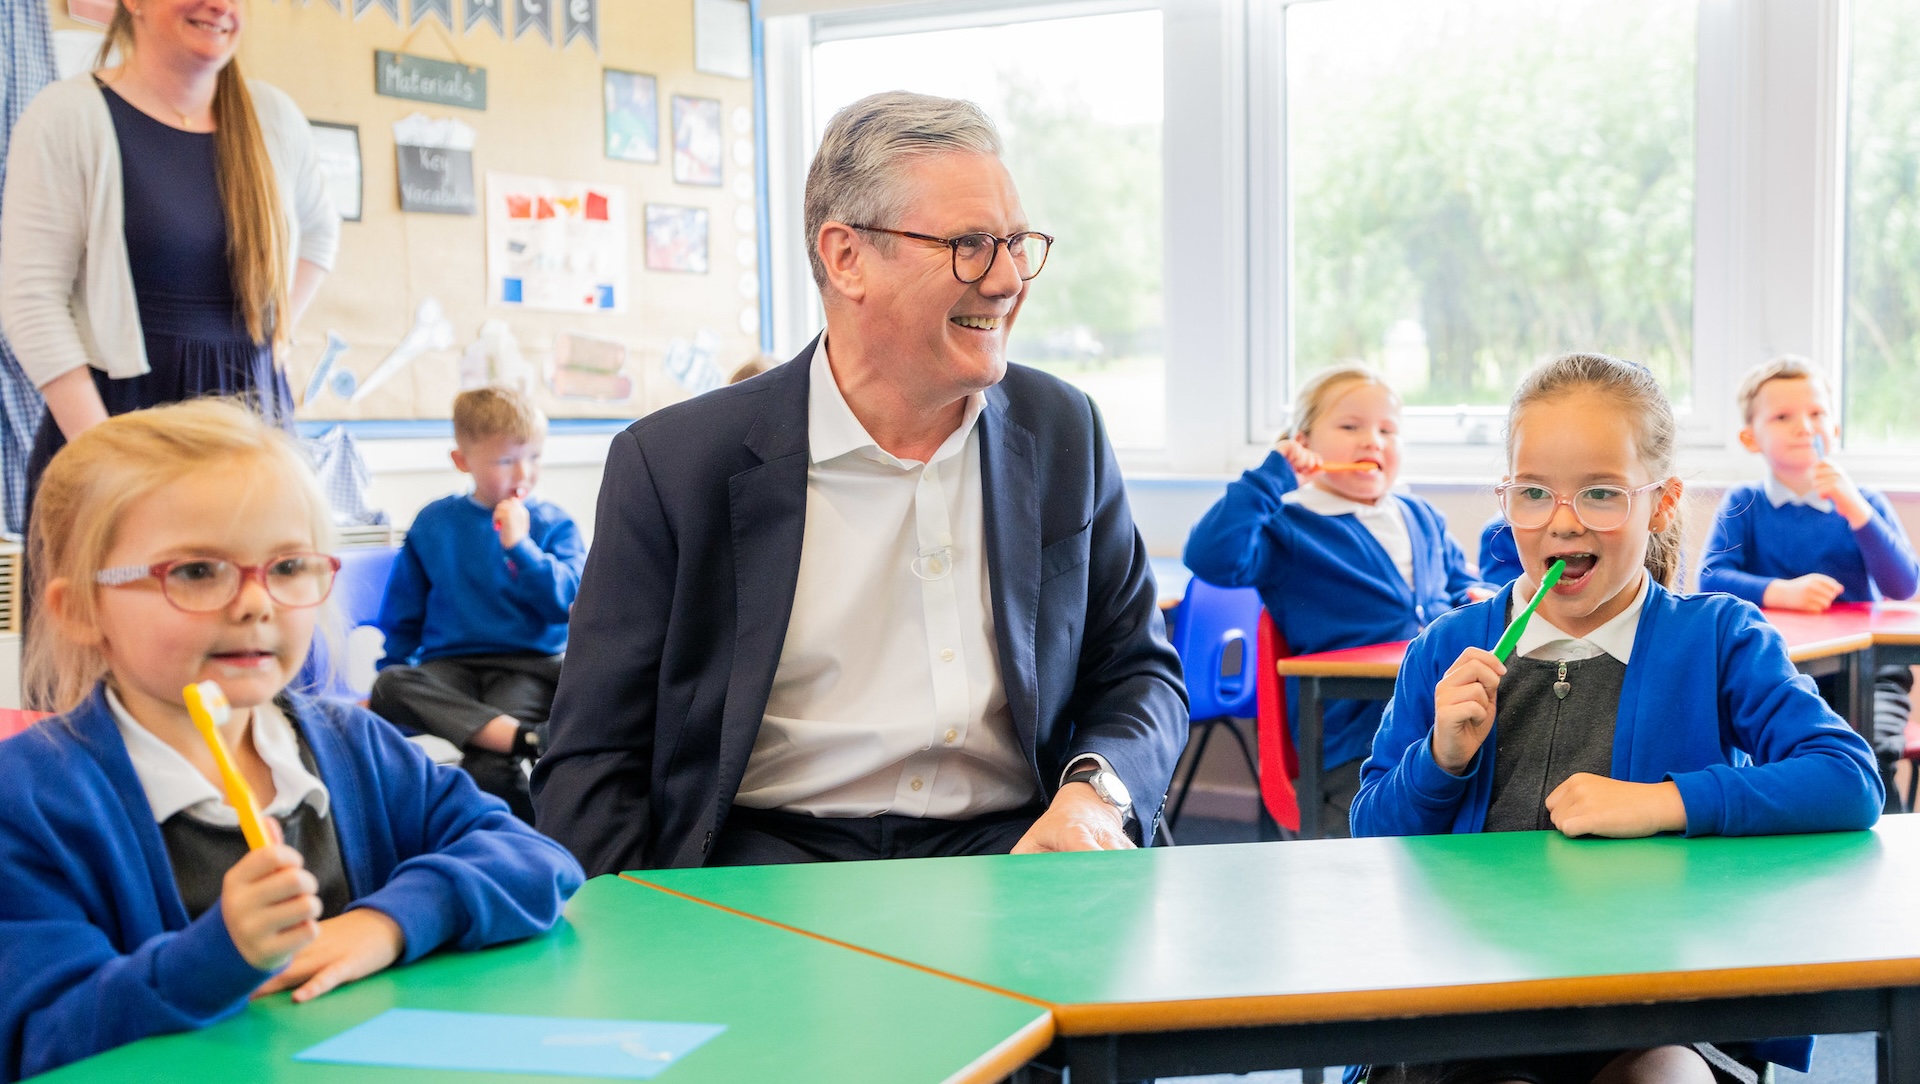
(455, 591)
(1754, 543)
(1499, 554)
(1327, 581)
(1753, 748)
(98, 947)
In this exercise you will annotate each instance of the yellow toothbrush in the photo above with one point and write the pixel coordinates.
(209, 708)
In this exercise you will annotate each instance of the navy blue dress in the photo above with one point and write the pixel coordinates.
(176, 230)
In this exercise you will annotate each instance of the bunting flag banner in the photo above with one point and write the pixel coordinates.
(483, 10)
(532, 15)
(391, 7)
(423, 8)
(582, 20)
(336, 6)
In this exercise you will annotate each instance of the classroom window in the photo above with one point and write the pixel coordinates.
(1882, 316)
(1475, 185)
(1078, 102)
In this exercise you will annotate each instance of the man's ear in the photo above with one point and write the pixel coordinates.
(1669, 505)
(57, 599)
(844, 258)
(460, 461)
(1748, 440)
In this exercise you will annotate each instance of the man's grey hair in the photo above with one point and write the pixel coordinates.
(863, 158)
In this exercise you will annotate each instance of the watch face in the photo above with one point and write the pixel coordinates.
(1111, 790)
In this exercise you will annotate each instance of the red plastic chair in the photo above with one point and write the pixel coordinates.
(14, 720)
(1279, 761)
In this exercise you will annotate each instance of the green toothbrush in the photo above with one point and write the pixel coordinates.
(1511, 638)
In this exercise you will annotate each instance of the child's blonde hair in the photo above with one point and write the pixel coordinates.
(496, 411)
(1636, 390)
(1324, 389)
(96, 478)
(1784, 367)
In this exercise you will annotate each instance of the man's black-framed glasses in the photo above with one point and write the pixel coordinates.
(974, 253)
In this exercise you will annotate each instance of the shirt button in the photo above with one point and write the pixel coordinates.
(917, 784)
(946, 654)
(951, 735)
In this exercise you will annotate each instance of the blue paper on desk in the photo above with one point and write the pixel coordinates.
(490, 1042)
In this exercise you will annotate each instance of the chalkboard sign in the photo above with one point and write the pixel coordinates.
(436, 180)
(423, 79)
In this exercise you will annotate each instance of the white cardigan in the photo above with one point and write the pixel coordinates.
(66, 289)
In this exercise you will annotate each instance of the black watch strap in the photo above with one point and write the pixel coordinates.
(526, 743)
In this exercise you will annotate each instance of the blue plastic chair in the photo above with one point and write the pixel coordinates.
(1215, 632)
(357, 593)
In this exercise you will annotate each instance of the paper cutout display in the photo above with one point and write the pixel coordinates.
(691, 363)
(589, 367)
(430, 331)
(558, 245)
(491, 1042)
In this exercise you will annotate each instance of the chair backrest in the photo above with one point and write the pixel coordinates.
(15, 720)
(357, 592)
(1214, 633)
(1279, 761)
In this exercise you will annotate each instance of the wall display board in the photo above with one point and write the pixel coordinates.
(545, 86)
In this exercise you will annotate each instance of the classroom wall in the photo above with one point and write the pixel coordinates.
(544, 117)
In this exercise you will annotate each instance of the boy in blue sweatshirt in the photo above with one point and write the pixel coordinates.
(1806, 537)
(476, 610)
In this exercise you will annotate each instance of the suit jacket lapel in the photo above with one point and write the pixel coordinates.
(1011, 512)
(767, 509)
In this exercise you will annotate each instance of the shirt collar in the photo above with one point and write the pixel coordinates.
(1325, 502)
(1615, 637)
(1780, 495)
(833, 430)
(173, 784)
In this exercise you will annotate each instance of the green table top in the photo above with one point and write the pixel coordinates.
(796, 1009)
(1349, 929)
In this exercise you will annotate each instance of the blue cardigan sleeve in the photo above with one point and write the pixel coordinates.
(71, 994)
(1723, 562)
(469, 873)
(1403, 790)
(1243, 540)
(403, 609)
(1499, 554)
(1810, 771)
(547, 574)
(1889, 556)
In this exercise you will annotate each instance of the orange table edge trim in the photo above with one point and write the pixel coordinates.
(1440, 1001)
(1013, 1052)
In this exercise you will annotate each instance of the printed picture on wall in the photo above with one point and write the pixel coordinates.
(337, 148)
(633, 116)
(696, 140)
(676, 238)
(556, 244)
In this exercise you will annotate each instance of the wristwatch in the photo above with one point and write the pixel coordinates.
(526, 744)
(1106, 784)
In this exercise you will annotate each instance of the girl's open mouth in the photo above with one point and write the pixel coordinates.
(1579, 567)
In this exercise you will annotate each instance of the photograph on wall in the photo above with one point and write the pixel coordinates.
(676, 238)
(337, 148)
(696, 140)
(633, 116)
(556, 244)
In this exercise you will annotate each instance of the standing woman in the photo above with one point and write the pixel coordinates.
(165, 225)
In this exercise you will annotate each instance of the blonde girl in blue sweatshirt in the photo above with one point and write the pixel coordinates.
(1339, 558)
(177, 545)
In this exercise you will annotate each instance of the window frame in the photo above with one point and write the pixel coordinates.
(1771, 94)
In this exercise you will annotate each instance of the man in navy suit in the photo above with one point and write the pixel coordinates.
(886, 600)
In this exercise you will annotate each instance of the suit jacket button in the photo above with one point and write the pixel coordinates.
(705, 843)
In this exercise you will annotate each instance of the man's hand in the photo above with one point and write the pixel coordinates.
(1463, 708)
(510, 519)
(1593, 805)
(1078, 820)
(350, 946)
(1812, 593)
(1832, 483)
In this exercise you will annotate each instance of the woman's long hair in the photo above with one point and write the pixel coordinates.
(257, 257)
